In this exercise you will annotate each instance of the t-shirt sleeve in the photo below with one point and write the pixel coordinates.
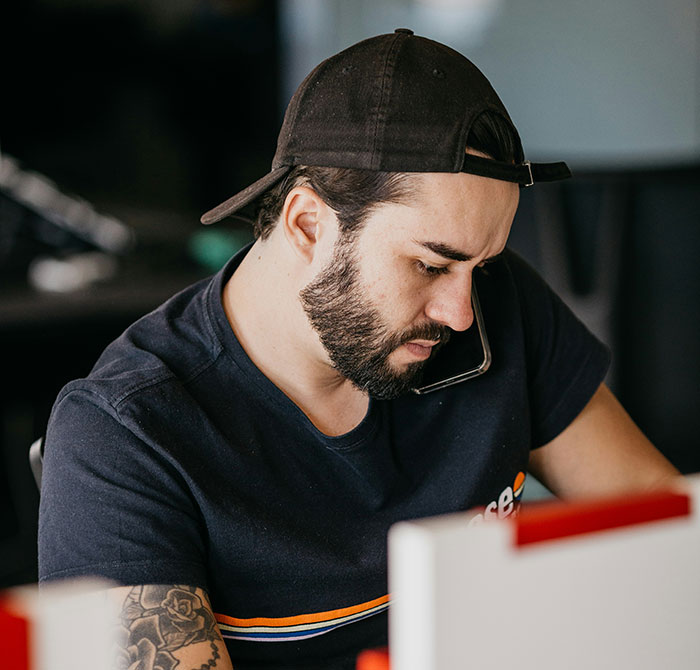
(566, 363)
(112, 506)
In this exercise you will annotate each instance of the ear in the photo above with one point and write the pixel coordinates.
(304, 218)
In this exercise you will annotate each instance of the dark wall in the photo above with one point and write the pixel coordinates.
(124, 103)
(659, 316)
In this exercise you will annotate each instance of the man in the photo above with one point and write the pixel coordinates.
(237, 456)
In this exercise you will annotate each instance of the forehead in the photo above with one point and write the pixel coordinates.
(465, 211)
(466, 195)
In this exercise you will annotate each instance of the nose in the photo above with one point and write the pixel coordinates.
(451, 304)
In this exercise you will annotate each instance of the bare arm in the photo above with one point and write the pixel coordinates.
(167, 626)
(602, 452)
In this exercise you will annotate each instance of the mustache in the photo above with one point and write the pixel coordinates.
(425, 331)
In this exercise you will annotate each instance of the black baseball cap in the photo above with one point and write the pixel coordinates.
(394, 103)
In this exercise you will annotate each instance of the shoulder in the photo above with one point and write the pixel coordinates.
(541, 310)
(173, 343)
(519, 274)
(512, 283)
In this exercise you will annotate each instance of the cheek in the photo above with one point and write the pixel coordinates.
(399, 295)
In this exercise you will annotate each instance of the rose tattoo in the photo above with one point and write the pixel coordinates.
(158, 620)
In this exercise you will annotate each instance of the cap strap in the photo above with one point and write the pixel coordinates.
(525, 174)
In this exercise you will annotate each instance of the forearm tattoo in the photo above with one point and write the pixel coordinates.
(157, 621)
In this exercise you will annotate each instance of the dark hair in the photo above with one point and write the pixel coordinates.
(493, 135)
(352, 193)
(349, 192)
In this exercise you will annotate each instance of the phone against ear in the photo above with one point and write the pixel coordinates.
(466, 355)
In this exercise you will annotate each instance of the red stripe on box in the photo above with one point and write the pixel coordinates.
(14, 640)
(540, 522)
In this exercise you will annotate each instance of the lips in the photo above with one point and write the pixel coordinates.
(420, 349)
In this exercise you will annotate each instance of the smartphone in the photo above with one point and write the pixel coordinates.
(466, 355)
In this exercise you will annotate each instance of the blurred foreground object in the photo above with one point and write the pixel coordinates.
(66, 625)
(373, 659)
(37, 220)
(604, 583)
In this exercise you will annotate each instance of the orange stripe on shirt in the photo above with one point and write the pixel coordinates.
(302, 618)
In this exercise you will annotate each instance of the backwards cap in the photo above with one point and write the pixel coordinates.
(394, 103)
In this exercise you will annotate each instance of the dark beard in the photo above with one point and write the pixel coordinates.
(353, 333)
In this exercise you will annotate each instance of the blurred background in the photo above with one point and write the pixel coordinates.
(123, 120)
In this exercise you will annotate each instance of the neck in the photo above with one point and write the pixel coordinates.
(262, 306)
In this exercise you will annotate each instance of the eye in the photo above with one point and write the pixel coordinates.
(488, 261)
(431, 270)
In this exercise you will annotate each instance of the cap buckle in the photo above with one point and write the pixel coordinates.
(531, 182)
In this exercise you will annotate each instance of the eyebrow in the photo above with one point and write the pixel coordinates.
(446, 251)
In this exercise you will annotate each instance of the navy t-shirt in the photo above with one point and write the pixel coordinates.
(178, 462)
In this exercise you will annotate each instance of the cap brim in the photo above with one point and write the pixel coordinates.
(244, 197)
